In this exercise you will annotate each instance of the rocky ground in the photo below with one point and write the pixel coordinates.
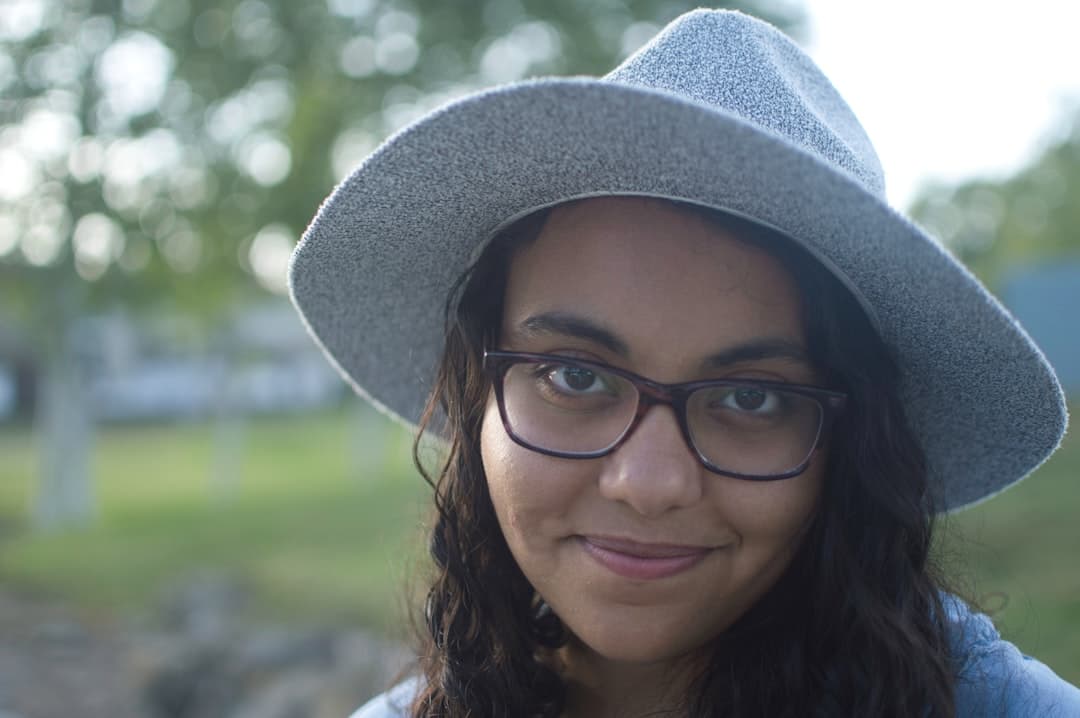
(196, 659)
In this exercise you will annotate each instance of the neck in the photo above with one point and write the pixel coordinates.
(598, 687)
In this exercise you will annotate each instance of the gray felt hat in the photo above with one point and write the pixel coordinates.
(721, 110)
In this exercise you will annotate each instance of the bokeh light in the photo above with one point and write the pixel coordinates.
(97, 241)
(133, 72)
(269, 256)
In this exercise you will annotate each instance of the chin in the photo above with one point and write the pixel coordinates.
(633, 645)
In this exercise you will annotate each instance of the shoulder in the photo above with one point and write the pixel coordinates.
(392, 704)
(993, 678)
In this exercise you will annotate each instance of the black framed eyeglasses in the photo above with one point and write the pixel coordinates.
(578, 409)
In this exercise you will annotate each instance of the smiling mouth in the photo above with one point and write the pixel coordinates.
(642, 561)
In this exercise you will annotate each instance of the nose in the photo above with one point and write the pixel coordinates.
(654, 471)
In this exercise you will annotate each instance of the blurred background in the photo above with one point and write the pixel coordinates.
(196, 517)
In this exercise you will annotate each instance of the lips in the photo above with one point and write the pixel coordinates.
(642, 561)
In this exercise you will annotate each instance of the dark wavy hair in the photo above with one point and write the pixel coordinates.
(855, 625)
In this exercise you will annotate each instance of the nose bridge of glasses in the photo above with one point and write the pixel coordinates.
(651, 394)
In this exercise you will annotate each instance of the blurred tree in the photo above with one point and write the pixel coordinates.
(1029, 218)
(167, 153)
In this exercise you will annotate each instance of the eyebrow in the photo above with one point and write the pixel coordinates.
(572, 325)
(758, 350)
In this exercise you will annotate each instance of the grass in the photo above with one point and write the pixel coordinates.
(320, 519)
(314, 518)
(1016, 555)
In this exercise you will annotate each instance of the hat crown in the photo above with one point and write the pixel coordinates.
(747, 68)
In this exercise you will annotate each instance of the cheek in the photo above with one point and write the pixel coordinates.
(511, 471)
(534, 495)
(773, 515)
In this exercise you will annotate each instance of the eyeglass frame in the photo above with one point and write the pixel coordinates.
(653, 393)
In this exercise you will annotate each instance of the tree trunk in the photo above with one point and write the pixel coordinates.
(64, 431)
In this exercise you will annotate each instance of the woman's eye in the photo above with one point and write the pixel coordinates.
(575, 379)
(751, 400)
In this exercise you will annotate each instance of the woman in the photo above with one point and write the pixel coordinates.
(702, 393)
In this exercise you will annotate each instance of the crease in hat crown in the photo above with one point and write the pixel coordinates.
(747, 68)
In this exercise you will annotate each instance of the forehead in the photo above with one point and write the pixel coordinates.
(659, 275)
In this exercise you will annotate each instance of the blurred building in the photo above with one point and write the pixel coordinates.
(262, 361)
(1046, 300)
(7, 392)
(16, 374)
(169, 367)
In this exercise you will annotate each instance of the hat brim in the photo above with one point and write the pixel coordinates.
(373, 271)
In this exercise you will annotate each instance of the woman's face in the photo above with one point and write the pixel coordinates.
(644, 554)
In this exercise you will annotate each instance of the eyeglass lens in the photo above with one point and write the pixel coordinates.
(574, 409)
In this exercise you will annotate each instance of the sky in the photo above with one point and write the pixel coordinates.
(950, 89)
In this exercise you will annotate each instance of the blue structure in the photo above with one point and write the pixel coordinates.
(1046, 300)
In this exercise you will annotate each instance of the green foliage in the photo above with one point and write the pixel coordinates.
(1026, 219)
(184, 127)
